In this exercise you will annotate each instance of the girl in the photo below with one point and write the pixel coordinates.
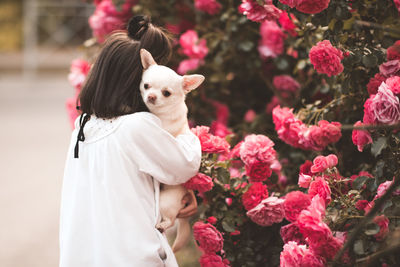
(118, 156)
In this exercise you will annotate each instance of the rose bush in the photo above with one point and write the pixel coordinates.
(306, 93)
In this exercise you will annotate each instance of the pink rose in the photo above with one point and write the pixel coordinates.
(320, 164)
(295, 202)
(393, 52)
(212, 220)
(332, 160)
(320, 187)
(209, 238)
(393, 84)
(78, 72)
(326, 58)
(70, 105)
(383, 223)
(291, 3)
(257, 148)
(390, 68)
(326, 247)
(287, 23)
(397, 3)
(304, 180)
(310, 259)
(250, 115)
(192, 46)
(313, 227)
(374, 83)
(212, 260)
(212, 7)
(285, 83)
(268, 212)
(383, 187)
(258, 171)
(361, 138)
(210, 143)
(272, 40)
(361, 204)
(187, 65)
(199, 182)
(257, 12)
(219, 129)
(292, 254)
(106, 18)
(291, 232)
(385, 106)
(272, 104)
(254, 195)
(369, 116)
(221, 112)
(305, 168)
(312, 6)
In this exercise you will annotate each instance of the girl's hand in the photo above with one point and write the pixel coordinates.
(190, 208)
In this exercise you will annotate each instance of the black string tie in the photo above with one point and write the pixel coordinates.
(81, 137)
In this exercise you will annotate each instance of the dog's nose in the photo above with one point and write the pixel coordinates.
(152, 98)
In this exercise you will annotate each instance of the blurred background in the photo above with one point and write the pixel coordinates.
(38, 41)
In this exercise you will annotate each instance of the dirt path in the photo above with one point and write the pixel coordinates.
(34, 137)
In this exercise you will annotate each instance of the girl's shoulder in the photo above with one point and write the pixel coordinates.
(141, 119)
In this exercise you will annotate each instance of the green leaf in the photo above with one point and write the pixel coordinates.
(359, 247)
(246, 46)
(371, 229)
(371, 185)
(223, 175)
(378, 146)
(228, 226)
(370, 61)
(359, 182)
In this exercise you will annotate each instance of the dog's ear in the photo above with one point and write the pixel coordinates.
(146, 58)
(191, 82)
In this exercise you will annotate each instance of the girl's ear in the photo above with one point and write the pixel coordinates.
(146, 58)
(191, 82)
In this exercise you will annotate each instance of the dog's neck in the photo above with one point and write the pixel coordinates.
(174, 119)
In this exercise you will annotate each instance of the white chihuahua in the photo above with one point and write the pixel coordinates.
(164, 91)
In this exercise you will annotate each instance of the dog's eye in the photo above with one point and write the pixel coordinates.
(146, 86)
(166, 93)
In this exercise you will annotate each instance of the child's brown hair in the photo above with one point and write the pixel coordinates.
(112, 86)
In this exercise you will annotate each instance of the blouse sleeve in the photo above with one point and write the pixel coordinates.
(156, 152)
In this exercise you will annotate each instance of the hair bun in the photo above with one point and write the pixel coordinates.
(137, 26)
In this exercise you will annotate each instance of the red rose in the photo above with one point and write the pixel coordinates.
(258, 171)
(212, 260)
(199, 182)
(212, 7)
(320, 164)
(326, 58)
(291, 232)
(212, 220)
(374, 83)
(254, 195)
(209, 238)
(268, 212)
(383, 223)
(285, 83)
(257, 12)
(295, 202)
(209, 142)
(361, 138)
(312, 6)
(393, 52)
(320, 187)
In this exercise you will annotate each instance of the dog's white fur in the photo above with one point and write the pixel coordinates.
(171, 109)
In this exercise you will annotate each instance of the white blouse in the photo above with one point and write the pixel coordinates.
(110, 194)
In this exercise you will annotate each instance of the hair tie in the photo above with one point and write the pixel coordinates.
(81, 137)
(137, 26)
